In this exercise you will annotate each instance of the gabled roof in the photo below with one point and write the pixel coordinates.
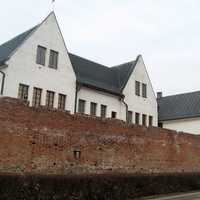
(179, 106)
(9, 47)
(88, 73)
(109, 79)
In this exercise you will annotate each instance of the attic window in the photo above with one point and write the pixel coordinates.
(41, 55)
(53, 59)
(137, 88)
(144, 90)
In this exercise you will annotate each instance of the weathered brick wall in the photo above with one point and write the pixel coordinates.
(40, 141)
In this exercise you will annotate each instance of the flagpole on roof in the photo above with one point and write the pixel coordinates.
(53, 4)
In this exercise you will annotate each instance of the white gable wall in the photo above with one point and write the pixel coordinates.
(112, 102)
(147, 106)
(22, 67)
(190, 125)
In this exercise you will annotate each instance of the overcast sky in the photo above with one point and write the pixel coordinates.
(165, 32)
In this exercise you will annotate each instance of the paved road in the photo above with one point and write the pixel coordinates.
(190, 196)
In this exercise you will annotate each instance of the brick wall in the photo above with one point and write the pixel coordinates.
(41, 141)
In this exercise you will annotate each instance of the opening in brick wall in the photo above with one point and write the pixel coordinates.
(77, 154)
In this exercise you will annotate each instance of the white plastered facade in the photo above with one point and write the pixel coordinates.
(22, 67)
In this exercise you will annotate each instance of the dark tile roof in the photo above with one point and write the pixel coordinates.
(179, 106)
(7, 48)
(110, 79)
(89, 73)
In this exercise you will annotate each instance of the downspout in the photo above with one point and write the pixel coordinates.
(126, 105)
(78, 87)
(3, 82)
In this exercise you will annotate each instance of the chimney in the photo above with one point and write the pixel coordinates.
(159, 95)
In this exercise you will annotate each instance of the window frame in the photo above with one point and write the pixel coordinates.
(50, 98)
(137, 88)
(114, 115)
(22, 91)
(39, 55)
(37, 92)
(137, 118)
(81, 106)
(52, 55)
(144, 90)
(62, 101)
(150, 120)
(103, 111)
(130, 117)
(93, 109)
(144, 119)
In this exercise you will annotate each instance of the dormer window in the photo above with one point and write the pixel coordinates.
(53, 59)
(41, 55)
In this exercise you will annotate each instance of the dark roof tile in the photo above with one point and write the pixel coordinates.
(111, 79)
(179, 106)
(7, 48)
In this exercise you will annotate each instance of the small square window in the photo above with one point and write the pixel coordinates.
(41, 55)
(53, 59)
(77, 154)
(137, 88)
(93, 109)
(114, 115)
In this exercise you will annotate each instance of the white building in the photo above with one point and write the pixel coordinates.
(37, 67)
(180, 112)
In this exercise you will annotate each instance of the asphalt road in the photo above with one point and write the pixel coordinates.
(188, 196)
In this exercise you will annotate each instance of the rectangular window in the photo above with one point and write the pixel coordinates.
(130, 117)
(23, 92)
(50, 99)
(137, 88)
(144, 120)
(103, 111)
(144, 90)
(41, 55)
(160, 125)
(37, 94)
(81, 106)
(61, 101)
(114, 115)
(53, 59)
(150, 121)
(93, 109)
(137, 118)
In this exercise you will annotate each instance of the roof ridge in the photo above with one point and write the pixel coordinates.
(87, 59)
(30, 29)
(123, 64)
(193, 92)
(10, 46)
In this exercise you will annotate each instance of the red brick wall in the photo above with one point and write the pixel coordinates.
(41, 141)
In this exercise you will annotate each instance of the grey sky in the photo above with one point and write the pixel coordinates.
(166, 33)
